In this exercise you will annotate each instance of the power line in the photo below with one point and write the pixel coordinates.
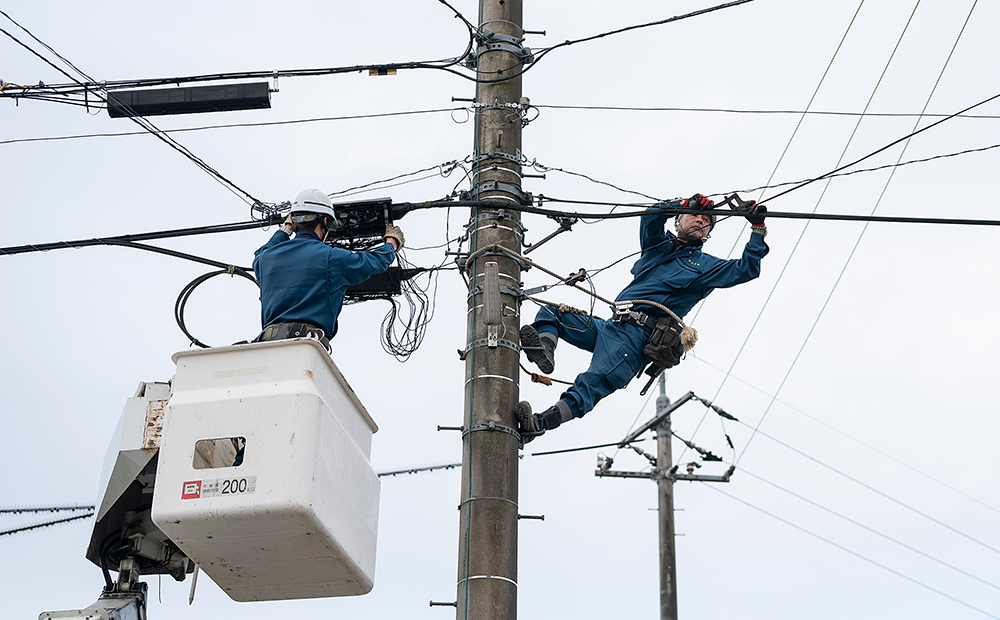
(139, 120)
(203, 230)
(24, 509)
(874, 490)
(414, 470)
(82, 87)
(854, 553)
(543, 52)
(870, 529)
(887, 146)
(857, 243)
(806, 112)
(849, 436)
(235, 125)
(36, 526)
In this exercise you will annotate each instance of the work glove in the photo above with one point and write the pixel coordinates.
(395, 232)
(698, 201)
(755, 214)
(286, 226)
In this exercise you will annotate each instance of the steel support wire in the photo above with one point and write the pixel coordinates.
(852, 552)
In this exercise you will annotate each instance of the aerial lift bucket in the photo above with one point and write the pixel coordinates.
(264, 478)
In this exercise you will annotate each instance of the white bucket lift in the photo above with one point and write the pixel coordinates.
(264, 477)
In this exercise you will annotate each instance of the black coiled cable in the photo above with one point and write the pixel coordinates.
(186, 293)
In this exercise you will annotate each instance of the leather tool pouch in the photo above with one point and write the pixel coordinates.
(664, 347)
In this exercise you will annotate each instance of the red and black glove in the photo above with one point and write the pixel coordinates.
(698, 201)
(755, 214)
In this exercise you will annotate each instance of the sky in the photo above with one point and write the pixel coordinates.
(866, 354)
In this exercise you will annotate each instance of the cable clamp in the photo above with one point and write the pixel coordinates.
(518, 158)
(500, 215)
(485, 342)
(487, 41)
(504, 290)
(493, 426)
(524, 198)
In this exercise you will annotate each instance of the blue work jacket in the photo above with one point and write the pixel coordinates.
(302, 279)
(679, 276)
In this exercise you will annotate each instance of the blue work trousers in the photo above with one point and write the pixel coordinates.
(617, 349)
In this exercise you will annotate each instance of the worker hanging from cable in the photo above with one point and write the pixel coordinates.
(670, 277)
(303, 281)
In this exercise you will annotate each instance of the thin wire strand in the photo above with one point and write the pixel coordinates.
(852, 552)
(849, 436)
(872, 530)
(236, 125)
(798, 241)
(873, 489)
(861, 235)
(806, 112)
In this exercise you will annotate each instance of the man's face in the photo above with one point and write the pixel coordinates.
(693, 226)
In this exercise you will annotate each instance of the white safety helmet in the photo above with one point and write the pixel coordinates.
(315, 201)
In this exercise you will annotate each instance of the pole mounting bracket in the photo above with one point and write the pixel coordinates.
(492, 426)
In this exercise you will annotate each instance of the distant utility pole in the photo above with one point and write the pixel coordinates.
(488, 517)
(664, 473)
(665, 490)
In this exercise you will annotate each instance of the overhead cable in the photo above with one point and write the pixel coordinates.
(849, 436)
(798, 241)
(864, 229)
(25, 509)
(36, 526)
(887, 146)
(852, 552)
(130, 238)
(806, 112)
(109, 85)
(873, 489)
(125, 240)
(235, 125)
(544, 51)
(743, 470)
(139, 120)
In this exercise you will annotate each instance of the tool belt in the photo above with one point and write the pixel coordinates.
(663, 346)
(283, 331)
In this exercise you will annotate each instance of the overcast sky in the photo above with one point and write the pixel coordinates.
(879, 342)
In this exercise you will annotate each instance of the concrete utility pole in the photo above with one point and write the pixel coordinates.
(665, 488)
(665, 474)
(488, 517)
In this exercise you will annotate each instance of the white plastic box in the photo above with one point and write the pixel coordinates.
(298, 516)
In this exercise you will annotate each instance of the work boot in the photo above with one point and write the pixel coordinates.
(540, 348)
(531, 425)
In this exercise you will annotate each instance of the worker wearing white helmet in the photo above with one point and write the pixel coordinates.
(302, 280)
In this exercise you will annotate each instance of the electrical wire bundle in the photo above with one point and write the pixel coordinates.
(402, 337)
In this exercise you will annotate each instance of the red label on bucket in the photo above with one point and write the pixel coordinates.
(191, 490)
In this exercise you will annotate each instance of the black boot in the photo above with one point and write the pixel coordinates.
(531, 425)
(539, 348)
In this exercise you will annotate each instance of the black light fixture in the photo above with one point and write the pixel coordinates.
(189, 100)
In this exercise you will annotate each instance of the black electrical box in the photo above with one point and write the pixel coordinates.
(189, 100)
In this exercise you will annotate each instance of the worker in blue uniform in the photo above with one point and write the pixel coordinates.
(671, 271)
(303, 281)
